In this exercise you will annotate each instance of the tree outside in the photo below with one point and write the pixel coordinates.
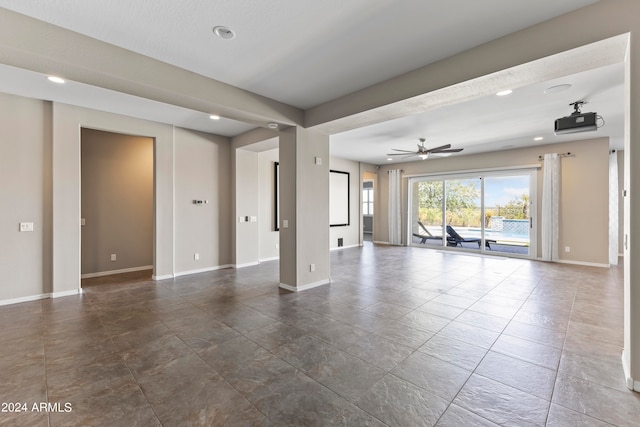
(463, 204)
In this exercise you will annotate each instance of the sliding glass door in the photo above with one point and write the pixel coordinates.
(488, 212)
(428, 212)
(463, 213)
(507, 213)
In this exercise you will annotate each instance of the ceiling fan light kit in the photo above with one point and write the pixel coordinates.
(424, 152)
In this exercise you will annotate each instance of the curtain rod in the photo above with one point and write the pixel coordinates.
(567, 154)
(401, 171)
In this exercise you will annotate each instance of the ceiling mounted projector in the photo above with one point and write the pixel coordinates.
(577, 121)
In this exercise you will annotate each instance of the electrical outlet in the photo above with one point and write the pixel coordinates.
(312, 267)
(277, 246)
(567, 249)
(113, 257)
(196, 256)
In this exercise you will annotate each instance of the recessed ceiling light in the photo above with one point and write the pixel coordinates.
(389, 158)
(538, 138)
(214, 117)
(272, 125)
(504, 92)
(55, 79)
(557, 88)
(224, 32)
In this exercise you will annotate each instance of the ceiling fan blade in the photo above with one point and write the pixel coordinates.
(406, 151)
(442, 147)
(453, 150)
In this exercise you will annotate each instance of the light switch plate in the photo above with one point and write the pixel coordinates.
(26, 226)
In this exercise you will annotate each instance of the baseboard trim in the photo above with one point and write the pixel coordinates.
(378, 242)
(202, 270)
(66, 293)
(275, 258)
(24, 299)
(587, 264)
(246, 264)
(162, 277)
(304, 287)
(629, 382)
(39, 297)
(120, 271)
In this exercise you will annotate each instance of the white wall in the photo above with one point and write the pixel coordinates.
(247, 196)
(202, 172)
(350, 233)
(268, 238)
(25, 195)
(620, 154)
(247, 205)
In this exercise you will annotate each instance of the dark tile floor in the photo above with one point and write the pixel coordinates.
(402, 337)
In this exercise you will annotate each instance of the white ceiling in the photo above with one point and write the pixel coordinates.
(305, 53)
(493, 123)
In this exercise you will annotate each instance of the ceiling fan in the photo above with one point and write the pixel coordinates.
(424, 152)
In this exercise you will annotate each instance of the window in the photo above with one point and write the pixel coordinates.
(367, 201)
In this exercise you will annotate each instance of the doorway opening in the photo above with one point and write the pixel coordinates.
(368, 205)
(117, 207)
(367, 210)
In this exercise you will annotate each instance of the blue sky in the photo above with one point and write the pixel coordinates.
(500, 190)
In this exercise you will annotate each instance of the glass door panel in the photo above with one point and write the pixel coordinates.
(507, 213)
(426, 228)
(489, 213)
(463, 213)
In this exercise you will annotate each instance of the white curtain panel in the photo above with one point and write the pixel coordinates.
(395, 237)
(613, 208)
(550, 206)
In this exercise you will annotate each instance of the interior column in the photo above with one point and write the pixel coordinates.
(631, 194)
(304, 209)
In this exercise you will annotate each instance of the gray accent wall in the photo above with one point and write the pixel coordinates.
(117, 201)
